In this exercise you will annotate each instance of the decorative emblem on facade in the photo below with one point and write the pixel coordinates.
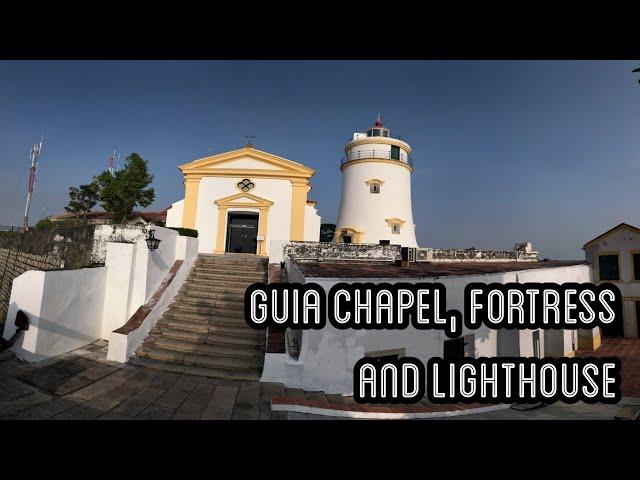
(245, 185)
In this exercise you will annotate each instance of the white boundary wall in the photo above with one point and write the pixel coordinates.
(68, 309)
(123, 346)
(64, 309)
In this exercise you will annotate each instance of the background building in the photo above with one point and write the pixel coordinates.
(615, 257)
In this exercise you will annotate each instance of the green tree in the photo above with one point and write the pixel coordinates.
(326, 232)
(82, 200)
(127, 188)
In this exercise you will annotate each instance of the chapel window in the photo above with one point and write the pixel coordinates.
(245, 185)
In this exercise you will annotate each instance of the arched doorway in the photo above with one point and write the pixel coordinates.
(242, 232)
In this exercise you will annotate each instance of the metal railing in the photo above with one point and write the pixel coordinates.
(9, 229)
(366, 154)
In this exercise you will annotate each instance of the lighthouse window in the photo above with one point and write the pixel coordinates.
(377, 132)
(395, 229)
(395, 152)
(374, 188)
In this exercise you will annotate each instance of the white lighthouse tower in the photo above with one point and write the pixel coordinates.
(376, 190)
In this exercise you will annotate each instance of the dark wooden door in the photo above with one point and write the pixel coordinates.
(242, 233)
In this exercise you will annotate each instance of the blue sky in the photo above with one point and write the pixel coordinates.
(505, 151)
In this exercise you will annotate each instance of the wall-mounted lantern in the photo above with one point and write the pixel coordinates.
(152, 241)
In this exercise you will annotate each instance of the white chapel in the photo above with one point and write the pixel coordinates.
(240, 201)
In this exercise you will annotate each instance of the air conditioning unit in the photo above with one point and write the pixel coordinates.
(422, 254)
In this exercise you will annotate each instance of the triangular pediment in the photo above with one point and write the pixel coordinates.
(247, 159)
(621, 226)
(243, 200)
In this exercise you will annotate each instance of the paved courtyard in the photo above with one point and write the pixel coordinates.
(83, 385)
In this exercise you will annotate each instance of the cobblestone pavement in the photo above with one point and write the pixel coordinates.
(83, 385)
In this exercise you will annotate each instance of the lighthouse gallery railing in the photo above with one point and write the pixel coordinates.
(366, 154)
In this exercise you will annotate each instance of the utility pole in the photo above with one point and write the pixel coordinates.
(35, 152)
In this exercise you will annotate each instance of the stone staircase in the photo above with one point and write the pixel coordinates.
(203, 331)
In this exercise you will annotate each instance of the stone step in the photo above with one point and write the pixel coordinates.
(224, 363)
(203, 331)
(213, 268)
(245, 352)
(183, 325)
(235, 303)
(212, 289)
(212, 299)
(231, 269)
(193, 370)
(228, 272)
(233, 277)
(200, 360)
(223, 260)
(235, 311)
(253, 341)
(175, 314)
(220, 337)
(198, 304)
(176, 334)
(231, 328)
(181, 306)
(226, 282)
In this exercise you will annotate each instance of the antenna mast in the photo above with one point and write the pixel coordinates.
(35, 152)
(111, 162)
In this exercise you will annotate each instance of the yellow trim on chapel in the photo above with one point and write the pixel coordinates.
(286, 167)
(299, 190)
(191, 187)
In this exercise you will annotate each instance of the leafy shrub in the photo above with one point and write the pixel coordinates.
(185, 232)
(44, 224)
